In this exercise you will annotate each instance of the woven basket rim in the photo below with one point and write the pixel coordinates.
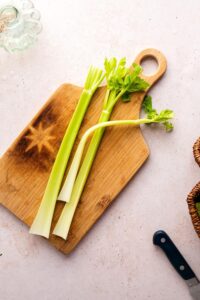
(192, 207)
(196, 151)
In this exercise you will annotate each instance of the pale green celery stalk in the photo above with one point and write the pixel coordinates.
(63, 225)
(92, 149)
(42, 222)
(120, 81)
(64, 222)
(66, 190)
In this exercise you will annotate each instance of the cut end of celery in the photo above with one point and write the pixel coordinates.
(61, 198)
(60, 233)
(39, 232)
(39, 227)
(63, 225)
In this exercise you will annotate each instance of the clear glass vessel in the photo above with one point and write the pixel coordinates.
(19, 24)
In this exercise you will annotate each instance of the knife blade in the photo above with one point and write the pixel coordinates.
(177, 260)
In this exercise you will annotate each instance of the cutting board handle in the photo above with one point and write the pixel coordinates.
(160, 59)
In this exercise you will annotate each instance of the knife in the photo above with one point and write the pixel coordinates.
(162, 240)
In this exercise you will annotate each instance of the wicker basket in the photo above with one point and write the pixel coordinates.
(195, 193)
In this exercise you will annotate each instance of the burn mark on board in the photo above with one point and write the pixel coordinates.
(104, 202)
(38, 146)
(47, 116)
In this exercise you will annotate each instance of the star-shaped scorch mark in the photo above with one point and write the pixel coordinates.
(40, 137)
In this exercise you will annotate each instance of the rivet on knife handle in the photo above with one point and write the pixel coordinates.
(162, 240)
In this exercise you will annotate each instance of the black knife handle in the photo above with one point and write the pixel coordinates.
(162, 240)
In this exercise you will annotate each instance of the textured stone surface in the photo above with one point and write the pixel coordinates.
(117, 259)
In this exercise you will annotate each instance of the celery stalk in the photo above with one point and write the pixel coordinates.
(42, 222)
(66, 190)
(120, 81)
(63, 225)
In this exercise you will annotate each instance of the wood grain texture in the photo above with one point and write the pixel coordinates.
(26, 165)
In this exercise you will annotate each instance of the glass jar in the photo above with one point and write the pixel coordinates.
(19, 24)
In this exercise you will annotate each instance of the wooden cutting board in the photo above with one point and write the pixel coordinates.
(26, 165)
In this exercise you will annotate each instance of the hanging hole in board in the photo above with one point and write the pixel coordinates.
(149, 65)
